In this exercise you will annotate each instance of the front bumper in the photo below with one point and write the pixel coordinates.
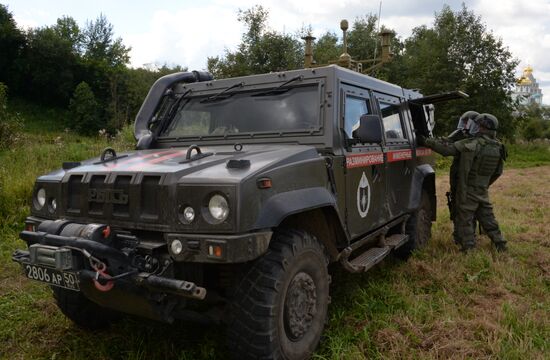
(126, 273)
(64, 254)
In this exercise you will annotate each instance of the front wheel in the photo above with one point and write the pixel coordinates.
(418, 227)
(280, 306)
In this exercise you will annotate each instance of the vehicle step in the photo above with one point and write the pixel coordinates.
(396, 240)
(369, 258)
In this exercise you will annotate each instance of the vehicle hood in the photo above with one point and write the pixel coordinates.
(217, 166)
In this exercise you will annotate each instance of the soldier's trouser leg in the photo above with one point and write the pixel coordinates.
(465, 212)
(486, 218)
(456, 236)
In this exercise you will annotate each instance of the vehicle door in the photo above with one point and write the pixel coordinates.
(398, 152)
(364, 167)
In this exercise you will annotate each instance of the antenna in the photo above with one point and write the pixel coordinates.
(345, 60)
(308, 53)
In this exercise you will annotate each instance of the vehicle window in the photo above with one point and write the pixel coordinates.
(392, 121)
(355, 107)
(296, 109)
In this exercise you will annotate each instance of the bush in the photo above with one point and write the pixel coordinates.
(84, 111)
(10, 124)
(535, 129)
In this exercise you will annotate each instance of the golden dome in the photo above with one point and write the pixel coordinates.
(524, 81)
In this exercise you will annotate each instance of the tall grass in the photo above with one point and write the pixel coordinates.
(440, 304)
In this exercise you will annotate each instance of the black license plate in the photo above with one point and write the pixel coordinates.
(65, 279)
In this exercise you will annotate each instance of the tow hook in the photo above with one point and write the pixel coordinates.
(101, 270)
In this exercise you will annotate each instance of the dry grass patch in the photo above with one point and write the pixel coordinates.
(441, 304)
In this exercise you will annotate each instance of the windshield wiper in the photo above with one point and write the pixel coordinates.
(174, 108)
(280, 89)
(171, 111)
(219, 95)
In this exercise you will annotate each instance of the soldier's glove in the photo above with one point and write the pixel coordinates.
(421, 139)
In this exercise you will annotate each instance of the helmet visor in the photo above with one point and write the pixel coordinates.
(474, 127)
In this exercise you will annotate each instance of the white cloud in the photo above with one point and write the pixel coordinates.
(525, 28)
(188, 32)
(181, 37)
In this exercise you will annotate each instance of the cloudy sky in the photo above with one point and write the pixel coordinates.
(186, 32)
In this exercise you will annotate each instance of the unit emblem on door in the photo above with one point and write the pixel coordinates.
(363, 196)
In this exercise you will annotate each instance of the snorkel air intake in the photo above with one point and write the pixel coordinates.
(152, 101)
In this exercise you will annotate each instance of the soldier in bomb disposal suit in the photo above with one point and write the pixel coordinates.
(481, 159)
(461, 133)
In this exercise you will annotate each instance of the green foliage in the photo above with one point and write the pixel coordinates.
(52, 65)
(326, 48)
(84, 111)
(12, 43)
(10, 123)
(99, 44)
(459, 53)
(363, 38)
(528, 154)
(520, 155)
(260, 51)
(534, 121)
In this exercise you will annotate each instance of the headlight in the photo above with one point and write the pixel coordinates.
(218, 207)
(189, 214)
(53, 205)
(176, 246)
(40, 199)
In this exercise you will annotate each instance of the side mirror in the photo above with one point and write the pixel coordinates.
(370, 129)
(145, 142)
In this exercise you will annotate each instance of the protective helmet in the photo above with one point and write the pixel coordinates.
(464, 118)
(488, 121)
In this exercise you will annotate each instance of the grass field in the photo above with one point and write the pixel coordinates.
(439, 304)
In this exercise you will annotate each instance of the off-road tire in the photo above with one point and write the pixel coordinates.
(418, 227)
(83, 312)
(280, 306)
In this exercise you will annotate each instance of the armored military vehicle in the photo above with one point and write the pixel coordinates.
(241, 191)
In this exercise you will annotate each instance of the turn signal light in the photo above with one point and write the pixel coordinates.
(215, 250)
(265, 183)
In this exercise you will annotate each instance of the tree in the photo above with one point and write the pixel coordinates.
(67, 28)
(363, 38)
(84, 111)
(100, 46)
(105, 59)
(459, 53)
(12, 44)
(52, 65)
(326, 48)
(260, 51)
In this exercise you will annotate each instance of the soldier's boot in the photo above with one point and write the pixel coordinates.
(490, 227)
(498, 240)
(501, 247)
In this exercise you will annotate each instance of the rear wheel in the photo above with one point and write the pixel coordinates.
(419, 228)
(82, 311)
(280, 306)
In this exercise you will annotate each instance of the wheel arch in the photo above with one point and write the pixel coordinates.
(313, 209)
(324, 224)
(423, 180)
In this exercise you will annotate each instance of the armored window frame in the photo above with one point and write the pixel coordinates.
(395, 104)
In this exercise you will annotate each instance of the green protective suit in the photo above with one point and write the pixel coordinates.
(480, 163)
(456, 135)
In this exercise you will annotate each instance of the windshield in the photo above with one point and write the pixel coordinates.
(295, 109)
